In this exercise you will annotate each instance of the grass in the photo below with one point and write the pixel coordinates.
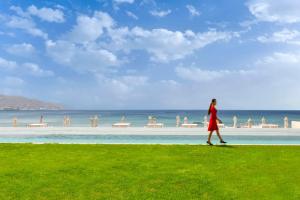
(148, 172)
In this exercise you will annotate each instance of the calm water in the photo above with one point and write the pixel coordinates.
(138, 118)
(148, 139)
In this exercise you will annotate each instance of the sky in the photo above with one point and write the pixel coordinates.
(150, 54)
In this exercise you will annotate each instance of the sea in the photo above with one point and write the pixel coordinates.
(139, 118)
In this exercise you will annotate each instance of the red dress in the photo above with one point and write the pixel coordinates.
(213, 126)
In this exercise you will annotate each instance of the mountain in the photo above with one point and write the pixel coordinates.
(23, 103)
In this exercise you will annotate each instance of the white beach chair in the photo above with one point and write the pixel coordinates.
(264, 124)
(34, 125)
(295, 124)
(121, 124)
(219, 125)
(186, 124)
(152, 123)
(269, 126)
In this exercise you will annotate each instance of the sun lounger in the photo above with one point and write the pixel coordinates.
(155, 125)
(269, 126)
(189, 125)
(295, 124)
(152, 123)
(37, 125)
(121, 125)
(219, 125)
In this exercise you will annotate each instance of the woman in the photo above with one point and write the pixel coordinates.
(213, 122)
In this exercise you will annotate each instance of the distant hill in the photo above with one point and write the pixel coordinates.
(23, 103)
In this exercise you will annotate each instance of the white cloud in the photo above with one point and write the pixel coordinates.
(47, 14)
(200, 75)
(35, 70)
(160, 13)
(27, 25)
(19, 11)
(23, 49)
(123, 1)
(132, 15)
(95, 43)
(13, 81)
(121, 89)
(283, 36)
(281, 58)
(24, 68)
(81, 58)
(164, 45)
(284, 11)
(24, 21)
(6, 64)
(192, 10)
(90, 28)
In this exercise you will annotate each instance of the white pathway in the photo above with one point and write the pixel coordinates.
(21, 131)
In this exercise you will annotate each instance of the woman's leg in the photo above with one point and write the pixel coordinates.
(219, 135)
(209, 136)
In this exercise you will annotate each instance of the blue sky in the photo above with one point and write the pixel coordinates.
(147, 54)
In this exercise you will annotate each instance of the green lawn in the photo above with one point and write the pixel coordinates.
(148, 172)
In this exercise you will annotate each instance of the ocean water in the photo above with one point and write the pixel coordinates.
(139, 118)
(150, 139)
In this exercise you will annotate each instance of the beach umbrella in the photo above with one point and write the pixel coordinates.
(15, 122)
(234, 122)
(185, 120)
(123, 119)
(96, 119)
(249, 123)
(177, 121)
(286, 122)
(263, 120)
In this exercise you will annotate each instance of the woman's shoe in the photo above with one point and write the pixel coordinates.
(209, 143)
(222, 142)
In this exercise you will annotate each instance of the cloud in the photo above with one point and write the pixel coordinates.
(281, 58)
(79, 48)
(192, 10)
(27, 25)
(90, 28)
(81, 58)
(123, 85)
(283, 11)
(24, 68)
(24, 21)
(164, 45)
(132, 15)
(284, 36)
(96, 43)
(161, 13)
(13, 81)
(46, 14)
(6, 64)
(23, 49)
(35, 70)
(200, 75)
(123, 1)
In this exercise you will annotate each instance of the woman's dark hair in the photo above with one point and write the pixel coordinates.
(212, 101)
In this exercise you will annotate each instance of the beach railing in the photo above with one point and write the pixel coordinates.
(15, 122)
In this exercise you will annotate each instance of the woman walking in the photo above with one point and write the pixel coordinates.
(213, 122)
